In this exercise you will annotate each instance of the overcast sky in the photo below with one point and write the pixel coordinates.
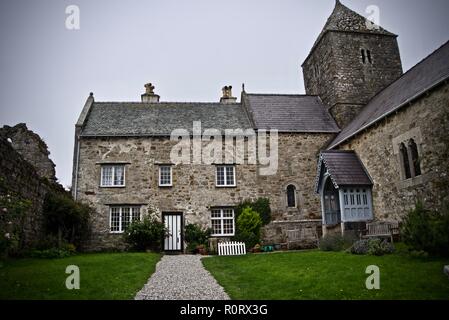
(188, 49)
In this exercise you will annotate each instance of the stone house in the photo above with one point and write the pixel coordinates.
(378, 136)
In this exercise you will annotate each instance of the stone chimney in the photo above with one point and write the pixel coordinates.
(227, 95)
(149, 96)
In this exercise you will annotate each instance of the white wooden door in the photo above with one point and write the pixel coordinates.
(173, 224)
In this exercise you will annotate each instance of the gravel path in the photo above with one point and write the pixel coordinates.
(181, 277)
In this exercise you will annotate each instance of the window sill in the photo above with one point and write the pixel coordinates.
(165, 186)
(416, 181)
(116, 232)
(230, 186)
(222, 235)
(112, 187)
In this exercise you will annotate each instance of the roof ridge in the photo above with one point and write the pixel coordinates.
(282, 94)
(164, 102)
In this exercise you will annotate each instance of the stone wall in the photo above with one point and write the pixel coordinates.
(20, 178)
(194, 190)
(32, 148)
(335, 70)
(427, 122)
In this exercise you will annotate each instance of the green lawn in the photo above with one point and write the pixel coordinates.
(102, 276)
(328, 275)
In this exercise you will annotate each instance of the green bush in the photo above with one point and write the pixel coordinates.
(261, 206)
(336, 242)
(146, 234)
(195, 235)
(54, 253)
(426, 230)
(248, 227)
(374, 247)
(66, 219)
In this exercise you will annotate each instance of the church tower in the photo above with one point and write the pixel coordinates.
(350, 62)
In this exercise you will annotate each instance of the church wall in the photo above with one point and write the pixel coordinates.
(427, 122)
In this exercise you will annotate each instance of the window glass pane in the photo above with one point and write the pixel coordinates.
(359, 201)
(365, 199)
(228, 213)
(228, 226)
(230, 176)
(220, 176)
(135, 214)
(216, 213)
(291, 196)
(106, 174)
(165, 175)
(119, 175)
(115, 219)
(125, 217)
(216, 226)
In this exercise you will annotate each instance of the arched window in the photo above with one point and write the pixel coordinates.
(362, 51)
(291, 196)
(404, 160)
(415, 157)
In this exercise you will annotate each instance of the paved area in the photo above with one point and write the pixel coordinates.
(181, 277)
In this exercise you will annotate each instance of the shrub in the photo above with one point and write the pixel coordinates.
(261, 205)
(195, 236)
(248, 227)
(426, 230)
(52, 253)
(336, 242)
(375, 247)
(146, 234)
(66, 219)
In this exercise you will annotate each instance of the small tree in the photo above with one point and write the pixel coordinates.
(146, 234)
(66, 219)
(248, 227)
(426, 230)
(261, 205)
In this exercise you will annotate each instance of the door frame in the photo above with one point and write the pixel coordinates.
(174, 213)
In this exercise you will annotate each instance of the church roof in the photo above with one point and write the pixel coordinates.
(344, 168)
(160, 119)
(343, 19)
(289, 113)
(424, 76)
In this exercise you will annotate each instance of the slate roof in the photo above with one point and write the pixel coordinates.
(159, 119)
(290, 113)
(343, 19)
(422, 77)
(345, 169)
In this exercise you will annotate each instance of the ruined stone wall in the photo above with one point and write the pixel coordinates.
(32, 148)
(194, 190)
(335, 71)
(427, 122)
(19, 178)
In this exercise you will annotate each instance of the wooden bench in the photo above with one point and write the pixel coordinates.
(378, 230)
(301, 234)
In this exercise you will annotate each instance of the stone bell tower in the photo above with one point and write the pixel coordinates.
(350, 62)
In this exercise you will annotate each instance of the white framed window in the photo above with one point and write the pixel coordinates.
(165, 176)
(222, 221)
(112, 176)
(121, 217)
(225, 176)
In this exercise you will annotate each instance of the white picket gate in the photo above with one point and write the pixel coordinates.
(231, 248)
